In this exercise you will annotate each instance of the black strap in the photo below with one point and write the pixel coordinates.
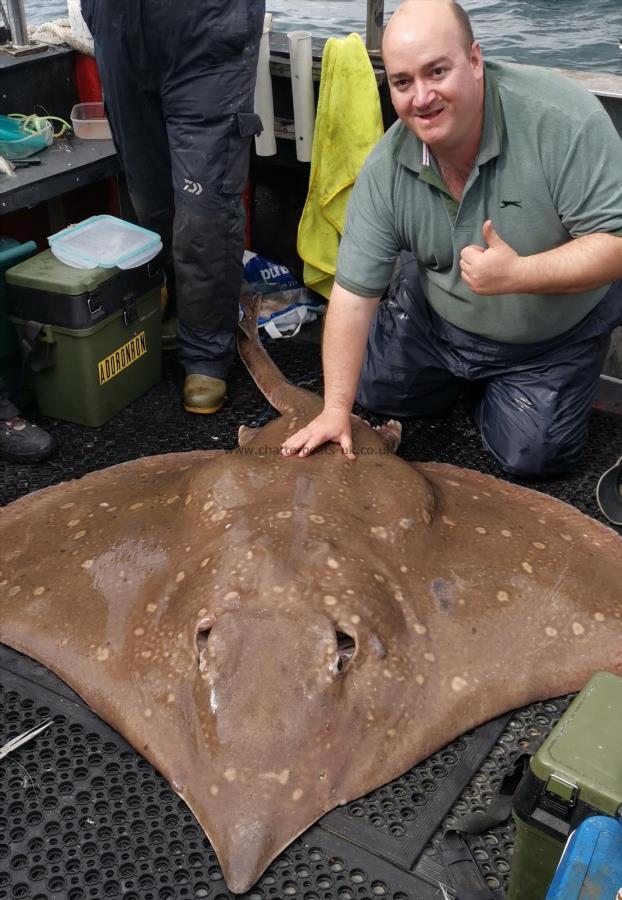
(500, 807)
(465, 875)
(36, 354)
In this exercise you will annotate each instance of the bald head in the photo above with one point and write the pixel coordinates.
(412, 12)
(435, 73)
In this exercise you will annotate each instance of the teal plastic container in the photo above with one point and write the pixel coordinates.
(11, 253)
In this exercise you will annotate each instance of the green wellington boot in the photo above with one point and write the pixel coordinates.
(204, 394)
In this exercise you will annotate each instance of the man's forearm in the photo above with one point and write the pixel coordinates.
(348, 320)
(580, 265)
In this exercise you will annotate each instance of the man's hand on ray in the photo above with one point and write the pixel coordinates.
(331, 425)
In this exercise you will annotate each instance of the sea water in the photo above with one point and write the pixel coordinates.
(574, 34)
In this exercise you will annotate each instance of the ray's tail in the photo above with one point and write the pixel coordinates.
(278, 391)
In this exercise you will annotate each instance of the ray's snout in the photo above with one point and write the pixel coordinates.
(272, 686)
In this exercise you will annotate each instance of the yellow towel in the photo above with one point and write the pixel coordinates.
(348, 123)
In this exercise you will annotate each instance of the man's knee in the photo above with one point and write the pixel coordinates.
(535, 455)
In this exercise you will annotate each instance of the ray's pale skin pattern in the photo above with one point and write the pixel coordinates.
(279, 636)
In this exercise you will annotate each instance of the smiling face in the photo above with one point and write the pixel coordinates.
(436, 80)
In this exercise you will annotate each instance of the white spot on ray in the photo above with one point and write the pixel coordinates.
(551, 632)
(136, 505)
(297, 794)
(317, 520)
(329, 600)
(355, 619)
(527, 567)
(481, 530)
(503, 597)
(599, 617)
(458, 683)
(578, 629)
(420, 629)
(448, 521)
(230, 774)
(332, 563)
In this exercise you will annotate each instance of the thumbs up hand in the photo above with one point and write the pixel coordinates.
(493, 269)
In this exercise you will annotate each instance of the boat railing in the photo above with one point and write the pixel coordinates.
(17, 23)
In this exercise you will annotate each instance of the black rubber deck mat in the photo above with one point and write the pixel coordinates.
(83, 817)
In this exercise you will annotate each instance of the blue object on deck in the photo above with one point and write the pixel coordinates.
(591, 866)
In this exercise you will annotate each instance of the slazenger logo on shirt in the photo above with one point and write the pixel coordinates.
(193, 187)
(505, 203)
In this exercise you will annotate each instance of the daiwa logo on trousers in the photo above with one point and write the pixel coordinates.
(193, 187)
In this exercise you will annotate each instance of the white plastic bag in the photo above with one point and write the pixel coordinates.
(286, 304)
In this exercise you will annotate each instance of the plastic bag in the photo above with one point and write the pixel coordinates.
(286, 304)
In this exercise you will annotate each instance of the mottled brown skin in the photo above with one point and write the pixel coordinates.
(195, 600)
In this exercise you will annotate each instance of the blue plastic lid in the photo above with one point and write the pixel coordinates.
(105, 241)
(591, 866)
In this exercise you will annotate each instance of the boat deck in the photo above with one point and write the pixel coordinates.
(84, 817)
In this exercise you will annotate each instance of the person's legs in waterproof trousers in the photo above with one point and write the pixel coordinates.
(534, 411)
(179, 92)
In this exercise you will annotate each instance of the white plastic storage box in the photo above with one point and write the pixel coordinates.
(89, 122)
(105, 242)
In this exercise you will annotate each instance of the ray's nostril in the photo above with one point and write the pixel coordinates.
(346, 648)
(202, 648)
(202, 639)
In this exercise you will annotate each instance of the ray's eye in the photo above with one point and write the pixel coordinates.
(346, 648)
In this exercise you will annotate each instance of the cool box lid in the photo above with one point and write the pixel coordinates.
(105, 241)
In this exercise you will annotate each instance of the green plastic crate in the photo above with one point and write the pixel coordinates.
(576, 773)
(95, 335)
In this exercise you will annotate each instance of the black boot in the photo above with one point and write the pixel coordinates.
(24, 442)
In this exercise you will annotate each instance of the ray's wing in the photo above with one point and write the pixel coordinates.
(86, 564)
(522, 590)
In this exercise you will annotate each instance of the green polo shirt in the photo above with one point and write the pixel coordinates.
(549, 169)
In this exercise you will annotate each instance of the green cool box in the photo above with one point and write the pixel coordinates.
(576, 773)
(90, 338)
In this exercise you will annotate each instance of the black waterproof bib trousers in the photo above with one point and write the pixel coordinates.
(178, 84)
